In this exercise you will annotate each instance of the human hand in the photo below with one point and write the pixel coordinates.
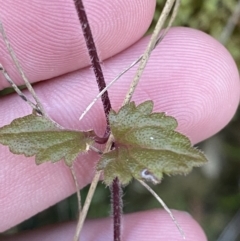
(190, 76)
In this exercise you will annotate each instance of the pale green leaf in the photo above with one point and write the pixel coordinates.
(38, 136)
(146, 146)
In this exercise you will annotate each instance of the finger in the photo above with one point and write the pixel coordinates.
(151, 225)
(47, 37)
(190, 76)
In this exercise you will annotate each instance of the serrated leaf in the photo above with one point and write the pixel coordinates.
(146, 146)
(38, 136)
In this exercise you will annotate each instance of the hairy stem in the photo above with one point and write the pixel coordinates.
(132, 89)
(116, 192)
(95, 62)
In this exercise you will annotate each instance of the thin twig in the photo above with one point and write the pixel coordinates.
(160, 38)
(154, 39)
(95, 62)
(19, 92)
(108, 86)
(172, 18)
(20, 70)
(90, 194)
(24, 97)
(77, 189)
(164, 206)
(86, 206)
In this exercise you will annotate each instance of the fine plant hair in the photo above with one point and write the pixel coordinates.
(108, 138)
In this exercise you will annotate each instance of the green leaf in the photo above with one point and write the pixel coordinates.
(146, 146)
(36, 135)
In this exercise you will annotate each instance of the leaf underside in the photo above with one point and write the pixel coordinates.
(38, 136)
(146, 146)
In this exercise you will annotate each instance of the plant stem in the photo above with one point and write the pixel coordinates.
(116, 193)
(164, 206)
(38, 106)
(152, 44)
(95, 62)
(132, 89)
(90, 194)
(18, 91)
(77, 188)
(83, 213)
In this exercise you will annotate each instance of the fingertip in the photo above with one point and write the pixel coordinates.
(206, 80)
(48, 40)
(151, 225)
(158, 225)
(190, 76)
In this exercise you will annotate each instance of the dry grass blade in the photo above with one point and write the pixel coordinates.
(86, 206)
(152, 43)
(164, 206)
(77, 189)
(173, 16)
(155, 39)
(159, 39)
(108, 86)
(15, 87)
(39, 107)
(90, 194)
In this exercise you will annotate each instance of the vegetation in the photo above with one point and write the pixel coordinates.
(212, 198)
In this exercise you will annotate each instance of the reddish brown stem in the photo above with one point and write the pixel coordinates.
(95, 62)
(116, 192)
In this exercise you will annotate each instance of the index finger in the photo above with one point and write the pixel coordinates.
(48, 40)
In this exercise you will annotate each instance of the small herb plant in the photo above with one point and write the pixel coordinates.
(139, 143)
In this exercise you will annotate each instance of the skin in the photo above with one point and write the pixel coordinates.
(190, 76)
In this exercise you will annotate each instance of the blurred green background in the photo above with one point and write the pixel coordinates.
(210, 194)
